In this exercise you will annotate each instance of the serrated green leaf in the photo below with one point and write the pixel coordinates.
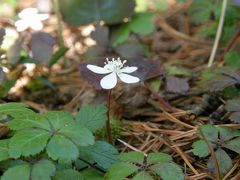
(142, 23)
(23, 117)
(81, 12)
(16, 172)
(158, 157)
(143, 175)
(58, 119)
(101, 152)
(42, 170)
(62, 149)
(168, 171)
(200, 148)
(226, 133)
(92, 117)
(90, 174)
(233, 145)
(4, 150)
(224, 162)
(210, 132)
(120, 171)
(68, 174)
(28, 142)
(78, 134)
(132, 157)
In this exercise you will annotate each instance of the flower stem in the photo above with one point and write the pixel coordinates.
(108, 124)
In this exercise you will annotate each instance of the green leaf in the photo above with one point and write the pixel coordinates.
(233, 145)
(16, 172)
(101, 152)
(121, 35)
(62, 149)
(42, 170)
(58, 119)
(210, 132)
(142, 23)
(227, 133)
(4, 150)
(68, 174)
(81, 12)
(90, 174)
(78, 134)
(224, 162)
(168, 171)
(23, 117)
(158, 157)
(120, 171)
(28, 142)
(132, 157)
(160, 5)
(92, 117)
(57, 55)
(143, 175)
(200, 148)
(232, 59)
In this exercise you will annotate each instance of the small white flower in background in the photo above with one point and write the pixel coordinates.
(114, 69)
(29, 17)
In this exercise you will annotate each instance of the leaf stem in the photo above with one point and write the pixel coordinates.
(219, 33)
(108, 124)
(213, 155)
(164, 103)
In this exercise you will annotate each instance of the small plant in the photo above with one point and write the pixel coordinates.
(138, 166)
(41, 143)
(220, 138)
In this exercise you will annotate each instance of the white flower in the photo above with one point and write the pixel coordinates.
(114, 69)
(29, 17)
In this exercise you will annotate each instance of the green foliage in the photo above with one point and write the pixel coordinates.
(93, 117)
(101, 152)
(220, 138)
(52, 139)
(232, 58)
(208, 12)
(233, 107)
(141, 23)
(134, 164)
(42, 169)
(81, 12)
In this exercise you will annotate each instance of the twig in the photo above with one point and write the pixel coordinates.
(164, 103)
(218, 35)
(214, 158)
(231, 43)
(131, 147)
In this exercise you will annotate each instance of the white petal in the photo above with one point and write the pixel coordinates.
(97, 69)
(42, 17)
(37, 25)
(21, 25)
(128, 78)
(129, 69)
(28, 12)
(109, 81)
